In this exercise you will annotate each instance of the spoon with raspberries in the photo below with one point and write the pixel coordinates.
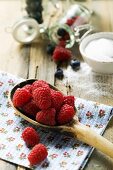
(44, 105)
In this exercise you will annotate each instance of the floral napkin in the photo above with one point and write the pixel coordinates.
(64, 152)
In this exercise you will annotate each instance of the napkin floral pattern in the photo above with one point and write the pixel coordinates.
(64, 152)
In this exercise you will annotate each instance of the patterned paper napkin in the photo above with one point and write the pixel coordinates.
(65, 152)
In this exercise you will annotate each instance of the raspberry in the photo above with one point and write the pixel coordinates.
(42, 97)
(37, 154)
(66, 37)
(69, 100)
(57, 99)
(62, 43)
(46, 117)
(61, 54)
(30, 108)
(28, 87)
(39, 83)
(21, 97)
(30, 136)
(70, 21)
(66, 114)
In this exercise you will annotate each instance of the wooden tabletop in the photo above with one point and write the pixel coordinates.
(31, 61)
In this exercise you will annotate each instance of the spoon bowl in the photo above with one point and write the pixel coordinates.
(20, 113)
(80, 131)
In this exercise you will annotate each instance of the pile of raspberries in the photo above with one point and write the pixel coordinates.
(44, 104)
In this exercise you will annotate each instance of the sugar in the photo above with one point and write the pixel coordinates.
(100, 49)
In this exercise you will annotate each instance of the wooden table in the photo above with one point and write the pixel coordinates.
(29, 61)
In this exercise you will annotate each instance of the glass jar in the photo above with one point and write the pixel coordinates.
(76, 19)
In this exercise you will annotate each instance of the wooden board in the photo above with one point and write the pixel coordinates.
(31, 61)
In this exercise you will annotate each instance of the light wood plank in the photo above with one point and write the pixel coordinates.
(21, 168)
(6, 166)
(14, 58)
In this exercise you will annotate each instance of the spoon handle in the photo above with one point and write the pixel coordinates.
(90, 137)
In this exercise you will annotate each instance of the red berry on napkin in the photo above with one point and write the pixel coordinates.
(37, 154)
(30, 136)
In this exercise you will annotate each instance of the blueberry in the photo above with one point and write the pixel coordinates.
(61, 32)
(50, 49)
(59, 73)
(75, 64)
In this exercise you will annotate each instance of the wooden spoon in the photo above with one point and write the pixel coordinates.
(80, 131)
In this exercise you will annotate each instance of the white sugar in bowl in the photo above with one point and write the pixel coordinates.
(97, 51)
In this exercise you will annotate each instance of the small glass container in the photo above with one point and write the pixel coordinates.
(76, 19)
(26, 30)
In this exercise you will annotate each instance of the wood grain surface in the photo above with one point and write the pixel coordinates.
(31, 61)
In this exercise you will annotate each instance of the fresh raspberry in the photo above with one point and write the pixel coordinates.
(69, 100)
(46, 117)
(62, 43)
(28, 87)
(66, 114)
(70, 21)
(42, 97)
(57, 99)
(37, 154)
(61, 54)
(30, 108)
(30, 136)
(39, 83)
(21, 97)
(66, 37)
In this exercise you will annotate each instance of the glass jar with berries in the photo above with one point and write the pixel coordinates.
(71, 28)
(67, 31)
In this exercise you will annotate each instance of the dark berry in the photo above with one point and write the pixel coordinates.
(50, 49)
(45, 164)
(34, 9)
(59, 73)
(29, 2)
(75, 64)
(61, 32)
